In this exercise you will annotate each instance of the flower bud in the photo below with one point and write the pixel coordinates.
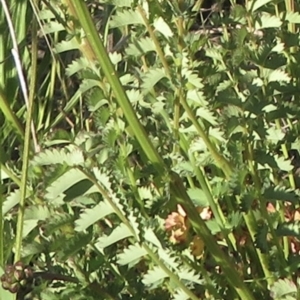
(14, 288)
(28, 272)
(19, 266)
(18, 275)
(5, 285)
(9, 269)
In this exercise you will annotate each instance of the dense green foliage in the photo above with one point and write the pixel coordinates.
(149, 150)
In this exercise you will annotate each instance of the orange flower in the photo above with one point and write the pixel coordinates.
(177, 224)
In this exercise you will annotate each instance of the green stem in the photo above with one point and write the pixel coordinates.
(27, 142)
(201, 229)
(1, 222)
(221, 162)
(101, 56)
(176, 185)
(170, 273)
(159, 51)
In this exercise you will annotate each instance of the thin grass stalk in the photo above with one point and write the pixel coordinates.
(19, 12)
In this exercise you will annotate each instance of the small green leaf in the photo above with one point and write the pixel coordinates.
(267, 21)
(11, 201)
(282, 288)
(207, 115)
(92, 215)
(275, 135)
(292, 17)
(281, 194)
(66, 46)
(256, 4)
(154, 276)
(161, 26)
(198, 197)
(151, 78)
(131, 255)
(51, 27)
(124, 18)
(119, 233)
(279, 76)
(63, 183)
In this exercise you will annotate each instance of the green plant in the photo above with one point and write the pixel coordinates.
(165, 130)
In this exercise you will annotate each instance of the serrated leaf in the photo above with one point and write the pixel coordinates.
(189, 275)
(161, 26)
(180, 295)
(207, 115)
(124, 18)
(119, 233)
(76, 66)
(45, 14)
(213, 226)
(267, 21)
(151, 78)
(214, 54)
(145, 193)
(197, 96)
(36, 212)
(292, 17)
(194, 79)
(64, 182)
(66, 46)
(279, 76)
(289, 229)
(73, 245)
(278, 48)
(224, 85)
(59, 156)
(58, 222)
(217, 134)
(28, 226)
(283, 164)
(261, 237)
(32, 249)
(280, 194)
(153, 276)
(134, 96)
(131, 255)
(11, 201)
(256, 4)
(52, 27)
(283, 287)
(134, 223)
(92, 215)
(170, 261)
(102, 178)
(150, 236)
(140, 47)
(275, 135)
